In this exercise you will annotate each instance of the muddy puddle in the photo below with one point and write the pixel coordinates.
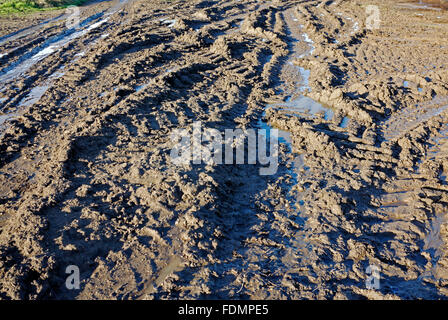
(23, 64)
(294, 88)
(50, 46)
(170, 23)
(303, 106)
(37, 92)
(294, 81)
(29, 30)
(33, 96)
(4, 118)
(409, 84)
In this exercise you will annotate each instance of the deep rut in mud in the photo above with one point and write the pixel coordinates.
(86, 176)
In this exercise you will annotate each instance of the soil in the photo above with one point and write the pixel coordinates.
(86, 177)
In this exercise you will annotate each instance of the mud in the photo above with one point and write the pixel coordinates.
(86, 177)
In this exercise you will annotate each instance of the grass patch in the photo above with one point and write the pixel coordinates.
(8, 7)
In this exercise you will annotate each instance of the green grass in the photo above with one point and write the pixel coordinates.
(8, 7)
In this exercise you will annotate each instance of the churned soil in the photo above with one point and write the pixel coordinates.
(86, 177)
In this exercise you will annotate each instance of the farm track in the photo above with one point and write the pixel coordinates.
(86, 177)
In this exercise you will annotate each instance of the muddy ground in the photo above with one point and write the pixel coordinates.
(86, 176)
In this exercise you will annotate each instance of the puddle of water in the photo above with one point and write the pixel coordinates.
(407, 84)
(169, 22)
(307, 39)
(138, 88)
(344, 123)
(59, 73)
(283, 136)
(37, 92)
(53, 44)
(28, 30)
(296, 162)
(45, 52)
(50, 46)
(305, 107)
(305, 74)
(6, 117)
(311, 45)
(442, 177)
(33, 96)
(298, 104)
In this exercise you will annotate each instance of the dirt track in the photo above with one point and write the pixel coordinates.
(86, 177)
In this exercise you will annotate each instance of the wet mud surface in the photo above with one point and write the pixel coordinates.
(86, 177)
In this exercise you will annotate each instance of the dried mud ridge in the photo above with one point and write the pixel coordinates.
(86, 177)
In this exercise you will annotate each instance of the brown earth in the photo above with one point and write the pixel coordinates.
(86, 177)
